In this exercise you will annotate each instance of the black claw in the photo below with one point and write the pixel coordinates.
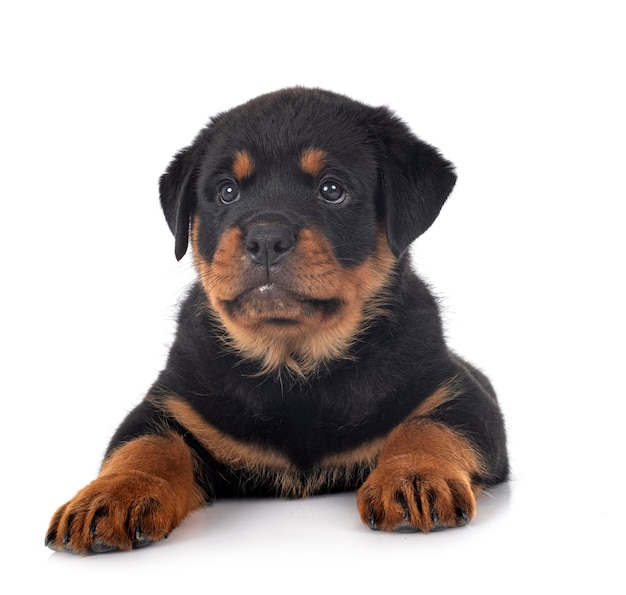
(49, 538)
(99, 547)
(142, 542)
(418, 501)
(94, 522)
(372, 524)
(405, 506)
(140, 539)
(435, 517)
(66, 535)
(433, 511)
(463, 516)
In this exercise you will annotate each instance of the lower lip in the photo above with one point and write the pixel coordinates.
(272, 292)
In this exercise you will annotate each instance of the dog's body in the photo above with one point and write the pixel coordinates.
(309, 357)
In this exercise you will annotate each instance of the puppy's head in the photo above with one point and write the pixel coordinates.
(299, 204)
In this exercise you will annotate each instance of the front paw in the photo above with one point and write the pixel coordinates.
(410, 497)
(115, 512)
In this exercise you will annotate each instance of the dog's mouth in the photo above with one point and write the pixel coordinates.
(277, 305)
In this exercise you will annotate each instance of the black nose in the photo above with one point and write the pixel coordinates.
(268, 243)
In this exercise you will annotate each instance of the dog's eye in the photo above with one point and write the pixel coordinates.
(332, 192)
(228, 192)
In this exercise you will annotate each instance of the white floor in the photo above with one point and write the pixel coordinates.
(527, 256)
(521, 541)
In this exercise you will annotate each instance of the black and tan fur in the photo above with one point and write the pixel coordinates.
(309, 357)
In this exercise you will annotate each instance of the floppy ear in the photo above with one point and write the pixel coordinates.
(177, 191)
(415, 181)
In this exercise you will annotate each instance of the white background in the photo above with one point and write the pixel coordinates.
(526, 98)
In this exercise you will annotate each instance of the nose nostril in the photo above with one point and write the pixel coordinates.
(253, 247)
(282, 246)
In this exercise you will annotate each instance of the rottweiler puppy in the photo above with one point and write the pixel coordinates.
(309, 357)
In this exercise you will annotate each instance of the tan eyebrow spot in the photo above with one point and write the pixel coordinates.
(243, 165)
(313, 161)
